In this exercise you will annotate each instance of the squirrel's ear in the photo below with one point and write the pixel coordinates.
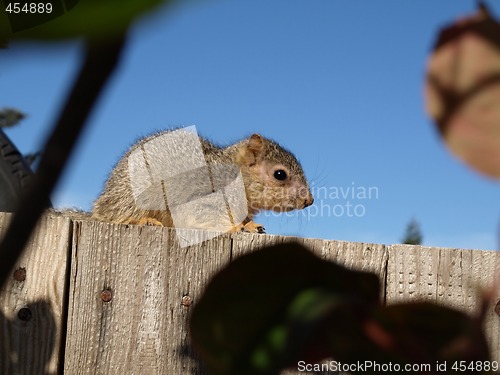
(256, 144)
(253, 151)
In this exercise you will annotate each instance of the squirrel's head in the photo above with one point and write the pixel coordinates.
(273, 176)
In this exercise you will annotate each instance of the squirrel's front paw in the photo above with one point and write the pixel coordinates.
(145, 221)
(250, 227)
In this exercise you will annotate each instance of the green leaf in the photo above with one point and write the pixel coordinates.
(300, 334)
(268, 309)
(95, 19)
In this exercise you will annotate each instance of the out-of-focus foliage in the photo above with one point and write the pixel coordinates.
(10, 117)
(94, 19)
(413, 234)
(277, 306)
(463, 90)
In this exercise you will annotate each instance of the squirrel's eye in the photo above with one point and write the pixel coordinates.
(280, 174)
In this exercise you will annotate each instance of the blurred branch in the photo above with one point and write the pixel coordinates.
(100, 60)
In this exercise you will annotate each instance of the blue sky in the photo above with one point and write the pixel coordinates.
(339, 83)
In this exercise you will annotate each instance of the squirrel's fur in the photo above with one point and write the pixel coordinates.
(258, 159)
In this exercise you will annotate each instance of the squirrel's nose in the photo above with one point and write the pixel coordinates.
(308, 201)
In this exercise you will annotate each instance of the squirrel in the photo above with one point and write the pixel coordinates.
(139, 191)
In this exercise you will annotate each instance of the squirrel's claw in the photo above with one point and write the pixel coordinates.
(251, 227)
(260, 228)
(145, 221)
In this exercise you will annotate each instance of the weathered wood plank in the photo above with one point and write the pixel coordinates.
(452, 277)
(354, 255)
(152, 281)
(247, 242)
(143, 328)
(32, 311)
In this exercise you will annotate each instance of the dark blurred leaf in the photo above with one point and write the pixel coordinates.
(463, 90)
(411, 334)
(91, 18)
(423, 332)
(268, 308)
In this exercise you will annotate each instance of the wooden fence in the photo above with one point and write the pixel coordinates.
(97, 298)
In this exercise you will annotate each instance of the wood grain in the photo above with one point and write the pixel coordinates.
(452, 277)
(32, 312)
(153, 282)
(58, 318)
